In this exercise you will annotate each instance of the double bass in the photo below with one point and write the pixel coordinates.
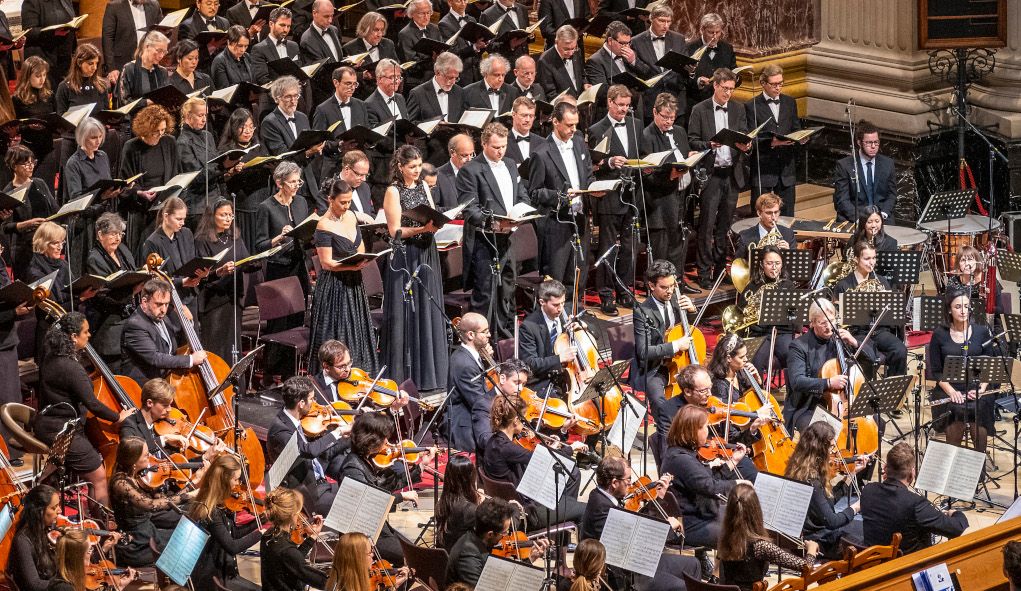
(193, 387)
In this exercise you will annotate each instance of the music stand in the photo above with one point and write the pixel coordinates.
(862, 308)
(926, 313)
(239, 369)
(783, 307)
(948, 205)
(753, 344)
(604, 379)
(797, 262)
(879, 397)
(1008, 265)
(902, 267)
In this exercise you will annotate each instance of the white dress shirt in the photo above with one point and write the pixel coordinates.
(138, 15)
(373, 51)
(723, 155)
(524, 147)
(443, 98)
(329, 42)
(280, 47)
(621, 131)
(566, 150)
(390, 102)
(773, 107)
(345, 112)
(503, 180)
(494, 99)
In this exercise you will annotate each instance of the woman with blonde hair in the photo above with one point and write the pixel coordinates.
(283, 562)
(73, 549)
(589, 568)
(352, 558)
(195, 147)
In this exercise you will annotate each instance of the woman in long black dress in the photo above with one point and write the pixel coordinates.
(186, 76)
(108, 311)
(33, 98)
(239, 134)
(221, 295)
(65, 393)
(152, 152)
(145, 74)
(195, 147)
(175, 243)
(39, 204)
(954, 403)
(414, 344)
(339, 308)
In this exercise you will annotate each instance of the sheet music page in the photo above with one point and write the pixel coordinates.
(538, 482)
(520, 210)
(496, 575)
(821, 414)
(359, 507)
(1013, 511)
(932, 476)
(620, 537)
(604, 185)
(784, 503)
(6, 520)
(283, 464)
(963, 476)
(475, 117)
(182, 552)
(625, 428)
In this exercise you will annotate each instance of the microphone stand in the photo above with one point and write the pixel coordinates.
(636, 225)
(854, 157)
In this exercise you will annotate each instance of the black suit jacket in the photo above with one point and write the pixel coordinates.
(750, 235)
(777, 163)
(535, 351)
(724, 58)
(326, 114)
(548, 176)
(146, 354)
(493, 14)
(312, 47)
(673, 82)
(702, 128)
(195, 24)
(445, 192)
(600, 69)
(596, 509)
(476, 96)
(885, 179)
(135, 426)
(611, 203)
(553, 75)
(302, 473)
(467, 559)
(470, 57)
(378, 111)
(477, 185)
(466, 392)
(275, 133)
(423, 103)
(888, 507)
(555, 13)
(662, 205)
(264, 52)
(651, 352)
(120, 38)
(57, 51)
(514, 150)
(535, 92)
(406, 40)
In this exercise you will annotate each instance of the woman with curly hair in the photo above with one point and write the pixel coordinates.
(414, 345)
(153, 153)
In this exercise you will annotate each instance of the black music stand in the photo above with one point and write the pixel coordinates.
(784, 307)
(927, 313)
(948, 205)
(797, 262)
(1008, 265)
(753, 344)
(879, 397)
(863, 308)
(902, 267)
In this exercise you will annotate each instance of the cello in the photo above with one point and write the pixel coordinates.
(194, 385)
(694, 354)
(774, 446)
(858, 436)
(11, 492)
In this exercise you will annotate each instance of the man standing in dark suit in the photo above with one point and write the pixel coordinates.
(467, 374)
(354, 170)
(772, 168)
(470, 53)
(469, 554)
(275, 46)
(385, 104)
(121, 32)
(492, 92)
(555, 13)
(56, 48)
(538, 333)
(321, 41)
(615, 7)
(562, 167)
(242, 14)
(282, 126)
(516, 18)
(767, 206)
(490, 184)
(203, 19)
(461, 149)
(524, 79)
(419, 28)
(562, 67)
(149, 339)
(891, 506)
(615, 57)
(658, 314)
(727, 174)
(874, 175)
(343, 107)
(718, 54)
(308, 474)
(439, 96)
(613, 214)
(522, 143)
(650, 47)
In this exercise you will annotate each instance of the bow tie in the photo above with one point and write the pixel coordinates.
(373, 47)
(509, 10)
(282, 43)
(390, 101)
(342, 105)
(290, 119)
(719, 108)
(138, 2)
(441, 91)
(521, 138)
(621, 124)
(493, 91)
(655, 39)
(775, 101)
(461, 20)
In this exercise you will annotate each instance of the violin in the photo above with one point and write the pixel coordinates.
(321, 418)
(89, 526)
(514, 545)
(356, 386)
(239, 500)
(532, 439)
(383, 575)
(740, 414)
(175, 469)
(642, 490)
(302, 532)
(554, 412)
(716, 448)
(103, 573)
(406, 450)
(200, 437)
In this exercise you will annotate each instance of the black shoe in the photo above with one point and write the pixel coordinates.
(626, 302)
(609, 309)
(17, 462)
(707, 567)
(688, 288)
(705, 283)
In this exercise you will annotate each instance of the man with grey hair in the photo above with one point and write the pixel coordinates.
(562, 67)
(524, 79)
(491, 92)
(440, 96)
(321, 41)
(420, 27)
(718, 54)
(384, 104)
(652, 45)
(282, 126)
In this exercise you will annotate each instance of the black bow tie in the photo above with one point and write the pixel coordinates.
(621, 124)
(494, 91)
(522, 138)
(775, 101)
(282, 43)
(719, 108)
(509, 10)
(390, 100)
(441, 91)
(342, 105)
(461, 20)
(655, 39)
(290, 119)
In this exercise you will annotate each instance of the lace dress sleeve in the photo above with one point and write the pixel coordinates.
(768, 551)
(128, 491)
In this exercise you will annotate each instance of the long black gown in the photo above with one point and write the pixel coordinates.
(414, 340)
(220, 306)
(340, 309)
(158, 164)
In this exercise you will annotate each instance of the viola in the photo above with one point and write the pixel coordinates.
(11, 492)
(302, 532)
(513, 545)
(356, 386)
(101, 574)
(716, 448)
(200, 437)
(383, 575)
(176, 469)
(321, 418)
(406, 450)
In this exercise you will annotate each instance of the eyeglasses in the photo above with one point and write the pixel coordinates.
(726, 89)
(870, 142)
(395, 77)
(290, 97)
(703, 391)
(623, 43)
(774, 84)
(295, 183)
(357, 174)
(29, 163)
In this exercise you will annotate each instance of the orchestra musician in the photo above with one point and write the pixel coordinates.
(353, 557)
(513, 374)
(872, 182)
(745, 550)
(150, 336)
(157, 398)
(871, 227)
(653, 319)
(773, 167)
(74, 552)
(729, 357)
(538, 333)
(282, 561)
(459, 499)
(32, 562)
(770, 274)
(468, 378)
(1012, 564)
(972, 280)
(589, 566)
(891, 506)
(468, 556)
(768, 207)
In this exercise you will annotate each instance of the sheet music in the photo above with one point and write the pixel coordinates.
(538, 482)
(784, 503)
(950, 470)
(821, 414)
(6, 520)
(501, 574)
(359, 507)
(1013, 511)
(628, 421)
(634, 542)
(182, 552)
(283, 464)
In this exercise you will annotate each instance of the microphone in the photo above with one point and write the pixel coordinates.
(813, 293)
(606, 255)
(994, 338)
(414, 276)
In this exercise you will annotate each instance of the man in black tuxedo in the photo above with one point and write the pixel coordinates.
(650, 46)
(516, 18)
(467, 376)
(767, 206)
(470, 53)
(875, 173)
(354, 170)
(513, 375)
(773, 167)
(340, 106)
(384, 104)
(469, 554)
(150, 338)
(56, 48)
(556, 13)
(562, 165)
(242, 14)
(120, 31)
(524, 79)
(204, 18)
(665, 191)
(419, 28)
(321, 41)
(615, 7)
(490, 184)
(275, 46)
(658, 314)
(492, 92)
(537, 334)
(726, 176)
(562, 67)
(308, 474)
(370, 39)
(615, 57)
(282, 126)
(614, 212)
(439, 96)
(461, 149)
(522, 143)
(891, 506)
(718, 54)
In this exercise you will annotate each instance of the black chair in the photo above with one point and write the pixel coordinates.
(500, 489)
(278, 299)
(429, 564)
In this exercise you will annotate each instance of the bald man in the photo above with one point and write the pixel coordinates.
(467, 371)
(461, 149)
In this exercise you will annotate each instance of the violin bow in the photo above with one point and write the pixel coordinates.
(372, 386)
(713, 431)
(404, 457)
